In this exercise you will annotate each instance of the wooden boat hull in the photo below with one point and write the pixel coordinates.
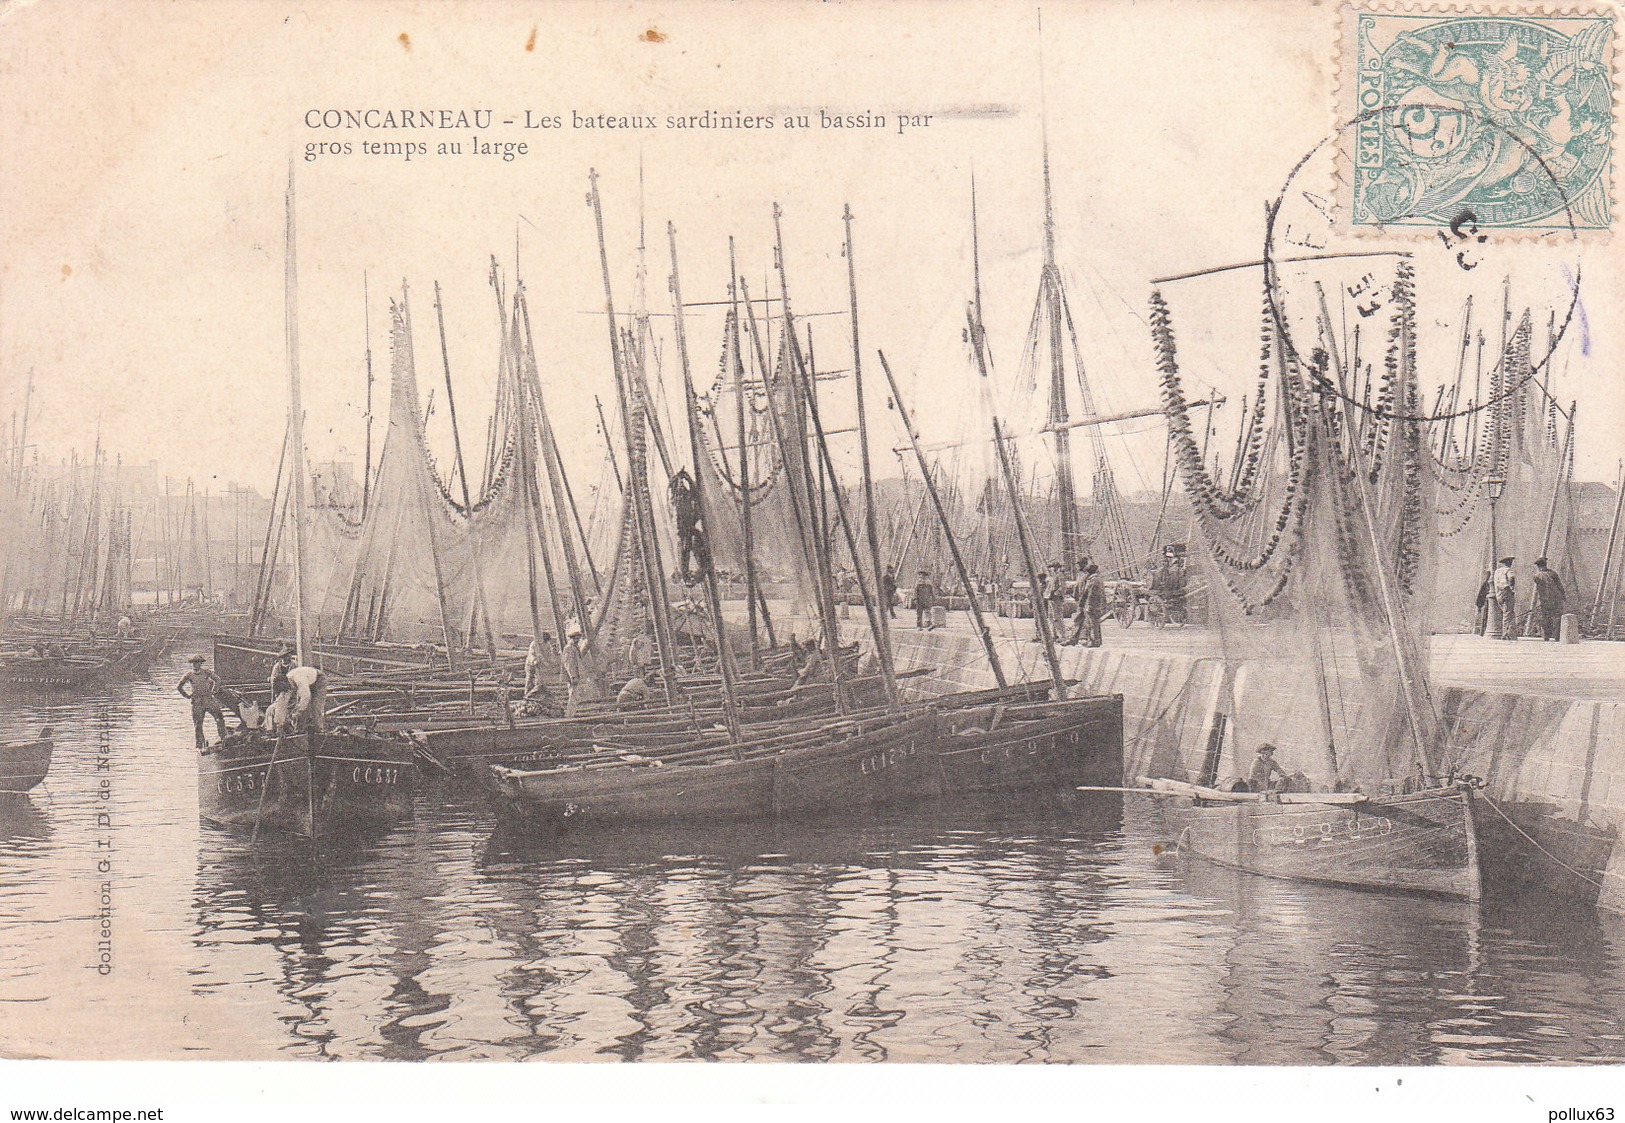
(1055, 746)
(1420, 843)
(919, 756)
(23, 765)
(341, 782)
(245, 661)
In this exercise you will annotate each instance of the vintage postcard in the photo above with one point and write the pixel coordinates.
(961, 534)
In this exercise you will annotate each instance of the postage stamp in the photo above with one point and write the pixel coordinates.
(1503, 116)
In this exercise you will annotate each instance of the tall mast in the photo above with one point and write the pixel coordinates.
(1049, 295)
(797, 373)
(366, 320)
(978, 342)
(633, 423)
(882, 629)
(462, 473)
(746, 519)
(725, 655)
(982, 630)
(296, 428)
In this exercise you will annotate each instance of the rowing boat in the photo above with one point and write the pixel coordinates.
(23, 764)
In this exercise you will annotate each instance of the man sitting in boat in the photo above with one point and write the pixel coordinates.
(205, 698)
(633, 694)
(1264, 771)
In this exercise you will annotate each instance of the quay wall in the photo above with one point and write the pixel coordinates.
(1554, 767)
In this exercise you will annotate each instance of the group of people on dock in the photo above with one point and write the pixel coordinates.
(1496, 606)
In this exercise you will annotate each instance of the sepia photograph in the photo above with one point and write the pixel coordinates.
(944, 540)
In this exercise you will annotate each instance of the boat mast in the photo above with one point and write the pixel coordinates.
(296, 427)
(366, 320)
(982, 630)
(462, 469)
(746, 519)
(978, 342)
(725, 655)
(882, 627)
(800, 393)
(633, 424)
(1049, 295)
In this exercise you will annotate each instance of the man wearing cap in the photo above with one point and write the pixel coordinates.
(1506, 597)
(1549, 600)
(1260, 779)
(285, 661)
(888, 592)
(205, 699)
(925, 596)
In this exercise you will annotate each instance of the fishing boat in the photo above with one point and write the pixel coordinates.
(315, 785)
(23, 764)
(1322, 628)
(76, 665)
(885, 759)
(1423, 842)
(302, 778)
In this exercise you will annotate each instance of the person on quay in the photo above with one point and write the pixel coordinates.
(1506, 597)
(925, 598)
(1549, 600)
(888, 591)
(205, 698)
(1262, 776)
(1093, 599)
(1055, 595)
(126, 627)
(1481, 606)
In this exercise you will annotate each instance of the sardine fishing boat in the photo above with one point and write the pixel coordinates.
(302, 778)
(1322, 622)
(1423, 842)
(315, 785)
(887, 759)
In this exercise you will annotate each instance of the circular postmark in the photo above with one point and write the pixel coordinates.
(1477, 305)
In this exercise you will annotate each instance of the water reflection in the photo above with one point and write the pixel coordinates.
(946, 934)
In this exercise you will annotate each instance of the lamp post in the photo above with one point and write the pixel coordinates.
(1492, 620)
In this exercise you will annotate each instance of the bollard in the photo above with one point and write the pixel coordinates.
(939, 616)
(1568, 628)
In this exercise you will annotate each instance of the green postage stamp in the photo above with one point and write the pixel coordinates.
(1503, 116)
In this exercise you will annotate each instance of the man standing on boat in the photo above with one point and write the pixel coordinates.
(308, 710)
(1506, 598)
(1481, 606)
(579, 673)
(205, 699)
(1549, 600)
(533, 666)
(279, 672)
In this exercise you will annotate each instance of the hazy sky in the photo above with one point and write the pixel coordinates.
(148, 146)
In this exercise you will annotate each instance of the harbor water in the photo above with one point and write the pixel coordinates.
(129, 929)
